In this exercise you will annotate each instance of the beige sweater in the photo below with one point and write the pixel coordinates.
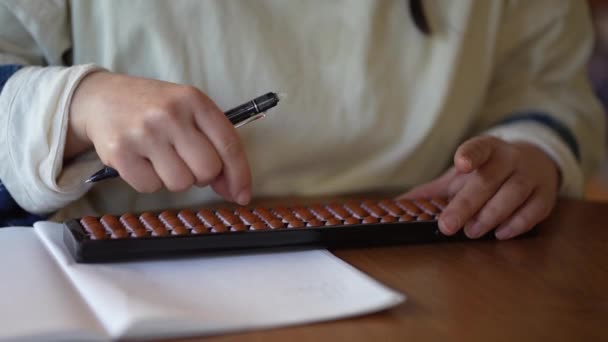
(372, 103)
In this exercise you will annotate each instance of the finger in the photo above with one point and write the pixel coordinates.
(172, 170)
(220, 186)
(227, 143)
(435, 188)
(199, 155)
(478, 189)
(457, 184)
(511, 195)
(474, 153)
(139, 173)
(536, 209)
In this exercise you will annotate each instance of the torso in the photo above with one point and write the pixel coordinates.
(371, 102)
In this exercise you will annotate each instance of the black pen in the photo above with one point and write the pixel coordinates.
(239, 116)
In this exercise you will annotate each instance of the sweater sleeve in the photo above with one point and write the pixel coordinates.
(540, 93)
(10, 212)
(34, 106)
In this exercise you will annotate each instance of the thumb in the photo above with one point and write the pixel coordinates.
(435, 188)
(473, 153)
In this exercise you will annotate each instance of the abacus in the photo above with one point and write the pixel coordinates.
(354, 223)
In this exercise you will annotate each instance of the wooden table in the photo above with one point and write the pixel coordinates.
(549, 287)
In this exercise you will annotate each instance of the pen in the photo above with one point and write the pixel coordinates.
(239, 116)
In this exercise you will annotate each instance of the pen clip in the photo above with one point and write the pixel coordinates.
(252, 118)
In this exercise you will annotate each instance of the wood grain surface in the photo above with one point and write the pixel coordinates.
(552, 286)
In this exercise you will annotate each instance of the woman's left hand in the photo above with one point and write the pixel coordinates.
(494, 184)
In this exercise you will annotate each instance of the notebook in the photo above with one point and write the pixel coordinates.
(47, 296)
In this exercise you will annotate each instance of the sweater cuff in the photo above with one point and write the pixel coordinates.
(545, 138)
(33, 127)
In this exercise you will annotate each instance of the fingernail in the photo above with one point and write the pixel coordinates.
(450, 223)
(243, 197)
(503, 234)
(468, 162)
(464, 163)
(474, 231)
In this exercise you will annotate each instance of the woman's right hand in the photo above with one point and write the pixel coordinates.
(158, 134)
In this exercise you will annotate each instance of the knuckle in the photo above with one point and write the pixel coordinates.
(521, 185)
(231, 147)
(117, 149)
(514, 155)
(153, 119)
(454, 187)
(159, 116)
(142, 132)
(488, 181)
(148, 187)
(483, 176)
(178, 184)
(189, 92)
(209, 171)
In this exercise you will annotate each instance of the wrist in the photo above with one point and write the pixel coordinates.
(77, 140)
(532, 152)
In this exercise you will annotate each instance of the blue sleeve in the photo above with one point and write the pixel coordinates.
(11, 214)
(548, 121)
(6, 71)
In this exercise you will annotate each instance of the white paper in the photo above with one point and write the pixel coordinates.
(215, 294)
(37, 303)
